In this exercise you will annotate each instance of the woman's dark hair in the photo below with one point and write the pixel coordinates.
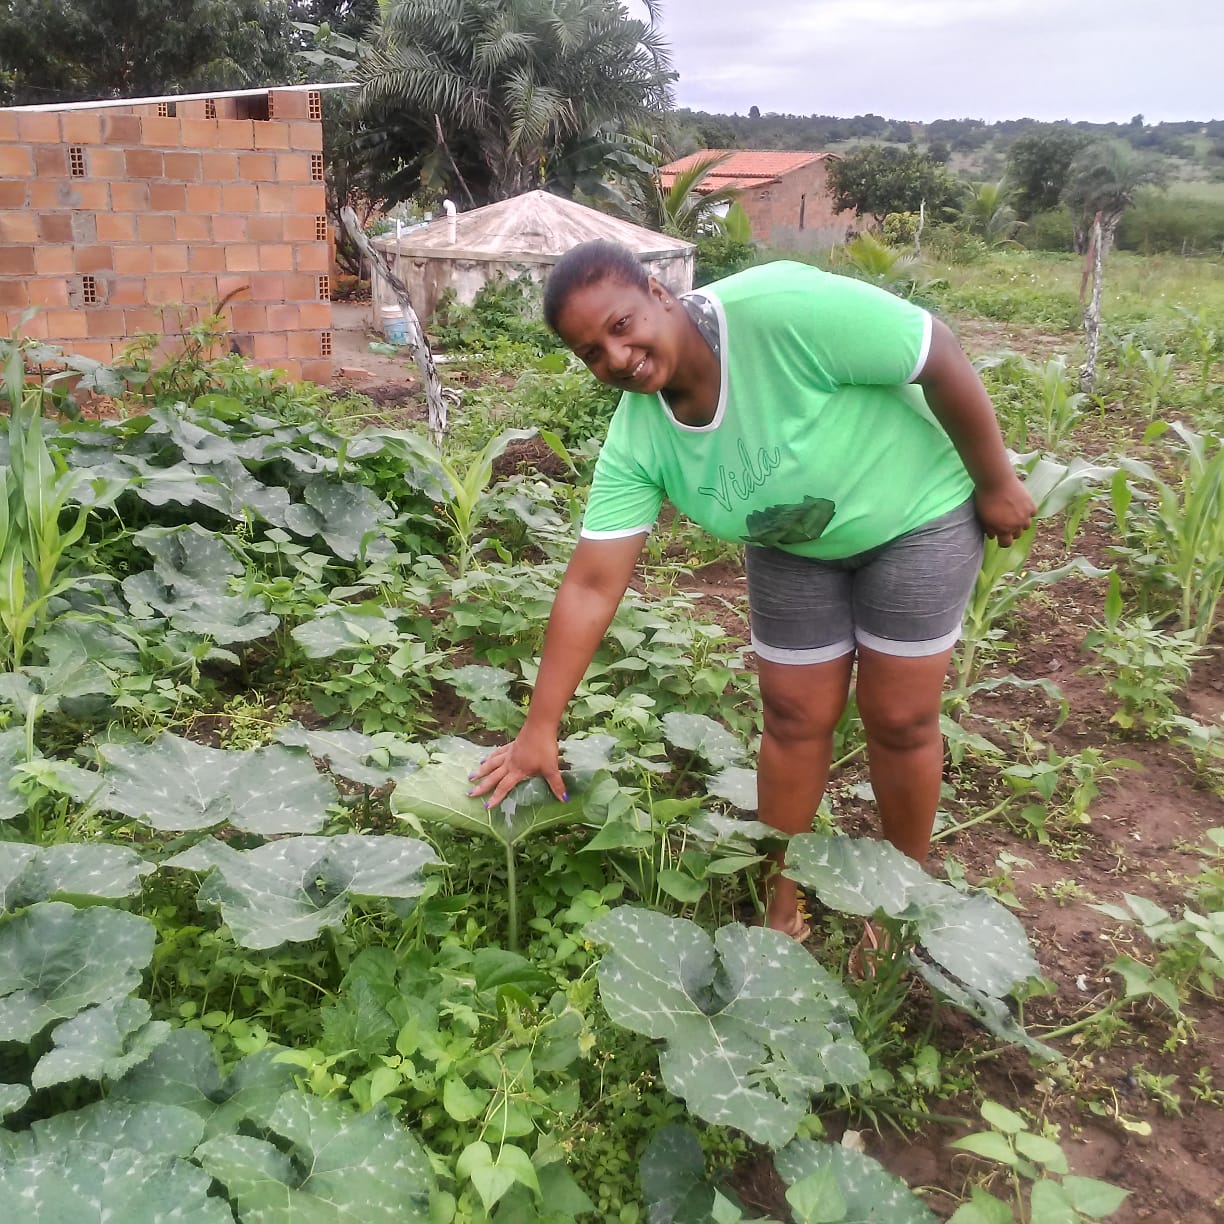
(588, 264)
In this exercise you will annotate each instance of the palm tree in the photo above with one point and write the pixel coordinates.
(683, 210)
(1101, 186)
(1104, 178)
(484, 93)
(989, 215)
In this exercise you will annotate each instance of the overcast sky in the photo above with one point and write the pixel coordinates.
(1099, 60)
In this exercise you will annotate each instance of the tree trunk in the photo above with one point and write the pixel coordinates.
(416, 333)
(1092, 316)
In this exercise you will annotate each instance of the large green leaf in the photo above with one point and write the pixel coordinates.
(12, 754)
(84, 869)
(753, 1026)
(673, 1176)
(102, 1042)
(290, 890)
(353, 627)
(973, 937)
(370, 760)
(991, 1013)
(737, 785)
(189, 585)
(978, 941)
(225, 486)
(868, 1193)
(701, 735)
(56, 960)
(154, 1130)
(12, 1098)
(182, 1073)
(94, 1183)
(331, 1165)
(348, 517)
(860, 875)
(174, 785)
(438, 794)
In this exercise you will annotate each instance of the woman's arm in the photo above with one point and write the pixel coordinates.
(961, 405)
(594, 582)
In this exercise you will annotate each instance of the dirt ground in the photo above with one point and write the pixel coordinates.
(388, 381)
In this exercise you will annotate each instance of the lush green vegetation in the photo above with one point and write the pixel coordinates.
(252, 641)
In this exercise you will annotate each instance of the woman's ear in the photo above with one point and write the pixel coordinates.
(661, 292)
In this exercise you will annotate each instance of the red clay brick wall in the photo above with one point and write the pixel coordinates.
(775, 210)
(120, 221)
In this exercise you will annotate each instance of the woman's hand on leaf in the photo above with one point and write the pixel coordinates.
(530, 755)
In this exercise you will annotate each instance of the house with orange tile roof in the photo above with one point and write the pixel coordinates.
(785, 193)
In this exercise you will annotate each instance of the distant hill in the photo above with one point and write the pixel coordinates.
(970, 146)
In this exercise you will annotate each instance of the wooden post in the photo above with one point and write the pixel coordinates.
(1092, 316)
(380, 266)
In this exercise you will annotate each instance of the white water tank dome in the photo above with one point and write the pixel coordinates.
(526, 234)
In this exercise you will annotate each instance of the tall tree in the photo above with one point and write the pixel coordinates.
(476, 97)
(877, 180)
(1101, 186)
(1103, 179)
(1037, 166)
(76, 50)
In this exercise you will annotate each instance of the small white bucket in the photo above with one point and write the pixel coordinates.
(395, 330)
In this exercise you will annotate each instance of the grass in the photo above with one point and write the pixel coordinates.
(1043, 288)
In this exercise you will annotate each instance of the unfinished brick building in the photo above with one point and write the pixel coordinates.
(129, 218)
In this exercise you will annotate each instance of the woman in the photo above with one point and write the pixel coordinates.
(843, 436)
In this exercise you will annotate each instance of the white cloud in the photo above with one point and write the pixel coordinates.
(929, 59)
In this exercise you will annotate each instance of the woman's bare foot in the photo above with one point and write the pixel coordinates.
(784, 908)
(795, 926)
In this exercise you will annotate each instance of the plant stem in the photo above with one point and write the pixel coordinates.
(973, 820)
(512, 889)
(1068, 1029)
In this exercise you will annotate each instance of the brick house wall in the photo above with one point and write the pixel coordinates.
(796, 201)
(123, 220)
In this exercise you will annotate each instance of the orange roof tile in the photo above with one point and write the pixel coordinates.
(743, 168)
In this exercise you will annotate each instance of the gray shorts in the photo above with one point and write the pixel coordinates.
(906, 597)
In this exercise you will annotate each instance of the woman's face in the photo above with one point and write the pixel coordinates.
(628, 337)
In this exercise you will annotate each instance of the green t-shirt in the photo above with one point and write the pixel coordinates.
(820, 444)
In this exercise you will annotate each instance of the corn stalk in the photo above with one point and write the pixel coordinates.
(35, 489)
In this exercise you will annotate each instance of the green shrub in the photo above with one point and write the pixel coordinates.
(719, 256)
(1182, 225)
(503, 310)
(1048, 231)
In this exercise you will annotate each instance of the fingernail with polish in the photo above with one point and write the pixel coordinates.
(565, 796)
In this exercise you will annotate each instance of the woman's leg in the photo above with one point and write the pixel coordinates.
(899, 702)
(802, 705)
(908, 603)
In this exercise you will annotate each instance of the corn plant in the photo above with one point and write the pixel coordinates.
(1061, 408)
(467, 492)
(1156, 374)
(1175, 536)
(35, 489)
(1205, 345)
(1005, 579)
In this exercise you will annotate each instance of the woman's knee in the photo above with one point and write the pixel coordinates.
(799, 717)
(900, 725)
